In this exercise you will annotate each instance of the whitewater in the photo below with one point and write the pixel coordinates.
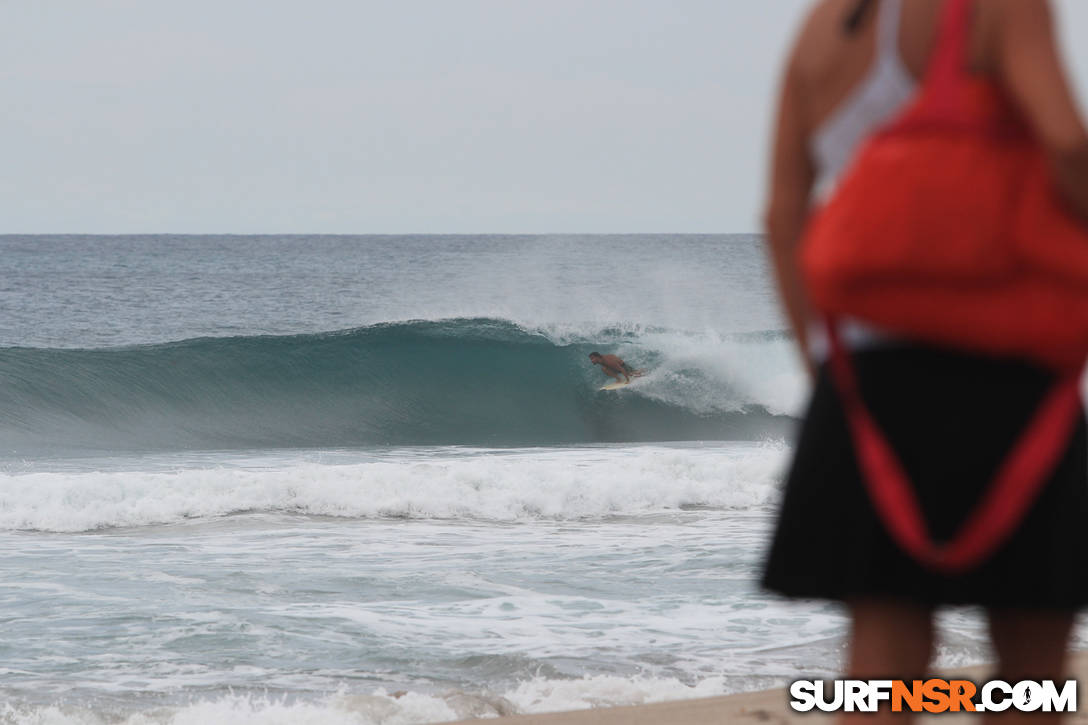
(372, 479)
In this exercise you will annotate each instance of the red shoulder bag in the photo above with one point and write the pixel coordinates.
(947, 228)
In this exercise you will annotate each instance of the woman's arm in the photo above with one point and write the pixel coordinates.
(787, 208)
(1032, 72)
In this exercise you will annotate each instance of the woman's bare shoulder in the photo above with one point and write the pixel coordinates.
(819, 31)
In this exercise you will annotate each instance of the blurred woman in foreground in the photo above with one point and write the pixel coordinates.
(950, 414)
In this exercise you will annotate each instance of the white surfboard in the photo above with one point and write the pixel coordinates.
(615, 385)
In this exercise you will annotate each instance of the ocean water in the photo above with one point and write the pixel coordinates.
(372, 479)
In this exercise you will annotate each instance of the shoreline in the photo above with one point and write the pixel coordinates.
(769, 707)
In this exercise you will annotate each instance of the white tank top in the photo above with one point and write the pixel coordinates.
(877, 98)
(873, 102)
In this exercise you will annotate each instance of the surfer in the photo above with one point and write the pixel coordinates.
(613, 366)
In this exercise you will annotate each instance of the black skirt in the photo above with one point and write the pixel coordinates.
(951, 418)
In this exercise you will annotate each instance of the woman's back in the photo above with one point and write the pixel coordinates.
(1011, 43)
(857, 63)
(870, 102)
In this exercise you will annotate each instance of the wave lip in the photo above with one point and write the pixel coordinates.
(467, 381)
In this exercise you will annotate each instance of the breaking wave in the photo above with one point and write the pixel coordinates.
(446, 382)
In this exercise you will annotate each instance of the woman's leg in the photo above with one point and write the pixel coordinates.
(888, 640)
(1030, 645)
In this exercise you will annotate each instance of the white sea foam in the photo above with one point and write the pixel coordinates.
(382, 707)
(542, 695)
(557, 484)
(243, 710)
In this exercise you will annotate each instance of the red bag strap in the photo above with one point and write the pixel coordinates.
(941, 93)
(1018, 481)
(948, 64)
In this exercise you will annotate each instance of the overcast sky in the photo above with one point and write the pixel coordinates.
(438, 116)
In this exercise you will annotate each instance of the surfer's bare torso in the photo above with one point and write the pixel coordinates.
(612, 366)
